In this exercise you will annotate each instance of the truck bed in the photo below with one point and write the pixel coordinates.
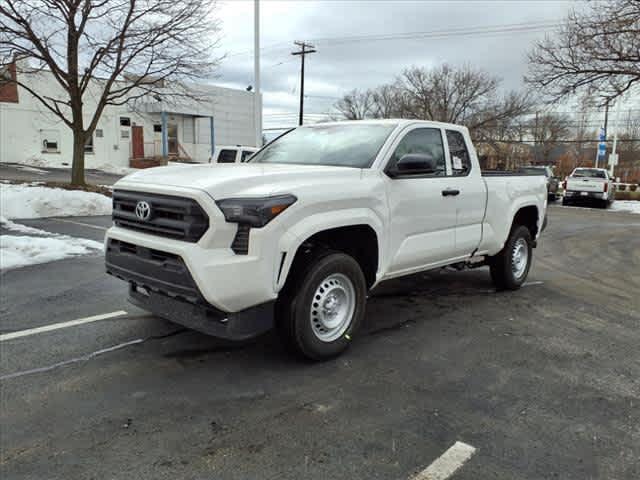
(509, 173)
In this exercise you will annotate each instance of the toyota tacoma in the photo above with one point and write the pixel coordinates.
(298, 236)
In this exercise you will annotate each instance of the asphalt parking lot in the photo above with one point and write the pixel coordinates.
(543, 382)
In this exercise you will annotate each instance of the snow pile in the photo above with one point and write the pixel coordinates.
(20, 251)
(18, 227)
(25, 201)
(631, 206)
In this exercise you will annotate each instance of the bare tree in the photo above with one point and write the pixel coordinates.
(596, 52)
(356, 105)
(548, 130)
(115, 51)
(459, 95)
(387, 101)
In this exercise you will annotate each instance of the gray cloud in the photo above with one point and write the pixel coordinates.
(341, 66)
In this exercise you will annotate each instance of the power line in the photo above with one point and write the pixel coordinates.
(443, 33)
(540, 25)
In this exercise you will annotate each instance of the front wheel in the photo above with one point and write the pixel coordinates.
(322, 307)
(510, 267)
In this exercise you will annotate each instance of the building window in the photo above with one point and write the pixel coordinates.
(124, 133)
(125, 122)
(88, 145)
(99, 133)
(5, 74)
(157, 128)
(50, 141)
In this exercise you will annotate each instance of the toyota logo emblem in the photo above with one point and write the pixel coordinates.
(143, 210)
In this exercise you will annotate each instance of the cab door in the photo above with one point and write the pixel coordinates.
(472, 194)
(422, 207)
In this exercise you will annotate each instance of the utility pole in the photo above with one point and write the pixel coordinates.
(257, 101)
(306, 48)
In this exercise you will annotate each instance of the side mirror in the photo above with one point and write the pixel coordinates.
(414, 163)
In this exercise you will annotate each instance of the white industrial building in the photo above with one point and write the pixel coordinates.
(152, 128)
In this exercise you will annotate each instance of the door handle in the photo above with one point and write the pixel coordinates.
(450, 192)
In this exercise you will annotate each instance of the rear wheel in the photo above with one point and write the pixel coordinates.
(322, 305)
(510, 267)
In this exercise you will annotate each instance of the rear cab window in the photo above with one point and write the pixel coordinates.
(227, 156)
(458, 153)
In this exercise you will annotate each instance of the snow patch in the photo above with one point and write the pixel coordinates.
(20, 251)
(18, 227)
(30, 201)
(631, 206)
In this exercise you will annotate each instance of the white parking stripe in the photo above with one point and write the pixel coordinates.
(58, 326)
(448, 463)
(97, 227)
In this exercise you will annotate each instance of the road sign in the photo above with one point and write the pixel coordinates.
(613, 159)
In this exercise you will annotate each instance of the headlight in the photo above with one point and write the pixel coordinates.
(256, 212)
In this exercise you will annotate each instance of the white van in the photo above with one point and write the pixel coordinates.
(232, 154)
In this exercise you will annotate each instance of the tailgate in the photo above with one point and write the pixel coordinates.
(585, 184)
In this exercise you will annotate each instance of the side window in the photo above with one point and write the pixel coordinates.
(460, 160)
(227, 156)
(422, 140)
(245, 155)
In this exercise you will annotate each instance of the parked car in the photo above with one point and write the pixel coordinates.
(232, 154)
(553, 182)
(589, 185)
(298, 236)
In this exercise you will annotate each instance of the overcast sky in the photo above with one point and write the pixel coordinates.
(341, 65)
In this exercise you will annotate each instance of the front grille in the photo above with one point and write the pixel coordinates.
(240, 243)
(173, 217)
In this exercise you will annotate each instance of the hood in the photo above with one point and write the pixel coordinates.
(240, 179)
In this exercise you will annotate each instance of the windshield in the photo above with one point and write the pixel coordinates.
(348, 145)
(589, 172)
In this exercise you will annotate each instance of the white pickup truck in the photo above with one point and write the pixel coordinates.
(589, 185)
(298, 236)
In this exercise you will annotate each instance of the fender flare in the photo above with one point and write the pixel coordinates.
(319, 222)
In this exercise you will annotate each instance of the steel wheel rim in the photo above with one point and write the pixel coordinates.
(332, 307)
(519, 258)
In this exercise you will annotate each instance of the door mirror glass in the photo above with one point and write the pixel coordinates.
(415, 163)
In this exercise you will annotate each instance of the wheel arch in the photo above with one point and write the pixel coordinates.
(357, 235)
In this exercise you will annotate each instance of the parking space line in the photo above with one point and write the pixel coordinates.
(448, 463)
(97, 227)
(58, 326)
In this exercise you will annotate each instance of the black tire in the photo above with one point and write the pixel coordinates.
(552, 197)
(300, 331)
(502, 264)
(564, 202)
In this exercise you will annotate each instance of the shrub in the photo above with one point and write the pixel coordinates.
(633, 188)
(622, 188)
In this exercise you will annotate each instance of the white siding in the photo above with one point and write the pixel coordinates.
(22, 126)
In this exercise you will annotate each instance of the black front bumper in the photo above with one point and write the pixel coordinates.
(161, 283)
